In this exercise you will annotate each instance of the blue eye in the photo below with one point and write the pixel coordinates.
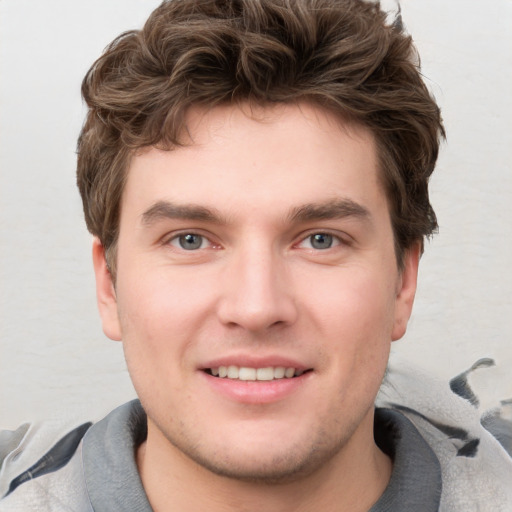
(190, 241)
(321, 241)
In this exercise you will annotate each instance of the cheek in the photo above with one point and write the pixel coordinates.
(353, 301)
(157, 321)
(354, 317)
(154, 344)
(164, 302)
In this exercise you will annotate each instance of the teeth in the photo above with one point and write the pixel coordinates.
(264, 374)
(279, 372)
(233, 372)
(244, 373)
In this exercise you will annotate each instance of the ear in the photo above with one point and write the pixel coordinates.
(406, 290)
(105, 293)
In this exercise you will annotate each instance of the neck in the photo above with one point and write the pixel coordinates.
(352, 480)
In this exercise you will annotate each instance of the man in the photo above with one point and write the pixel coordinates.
(255, 175)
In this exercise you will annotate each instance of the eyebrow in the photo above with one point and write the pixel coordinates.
(334, 209)
(166, 210)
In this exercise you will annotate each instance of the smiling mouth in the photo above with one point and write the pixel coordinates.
(255, 374)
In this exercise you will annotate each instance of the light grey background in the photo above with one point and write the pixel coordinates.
(54, 359)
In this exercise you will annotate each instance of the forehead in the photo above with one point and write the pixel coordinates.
(251, 157)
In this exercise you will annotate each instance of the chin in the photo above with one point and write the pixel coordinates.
(265, 459)
(272, 469)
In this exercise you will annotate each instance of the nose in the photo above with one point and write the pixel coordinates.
(257, 292)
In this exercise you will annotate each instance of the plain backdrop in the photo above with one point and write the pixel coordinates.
(54, 358)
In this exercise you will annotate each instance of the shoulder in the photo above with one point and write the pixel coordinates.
(43, 459)
(475, 465)
(51, 467)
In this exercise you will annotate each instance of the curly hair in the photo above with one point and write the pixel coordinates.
(341, 55)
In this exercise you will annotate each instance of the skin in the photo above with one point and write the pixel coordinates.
(257, 290)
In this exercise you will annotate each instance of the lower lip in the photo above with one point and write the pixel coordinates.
(256, 392)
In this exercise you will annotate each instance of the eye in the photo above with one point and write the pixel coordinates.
(320, 241)
(189, 241)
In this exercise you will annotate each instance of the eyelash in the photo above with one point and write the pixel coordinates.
(336, 239)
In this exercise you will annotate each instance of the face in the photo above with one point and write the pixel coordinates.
(262, 250)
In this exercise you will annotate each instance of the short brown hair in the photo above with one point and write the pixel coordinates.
(339, 54)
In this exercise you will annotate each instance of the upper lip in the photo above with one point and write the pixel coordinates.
(251, 361)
